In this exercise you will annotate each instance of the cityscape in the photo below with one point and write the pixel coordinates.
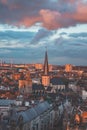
(43, 96)
(43, 64)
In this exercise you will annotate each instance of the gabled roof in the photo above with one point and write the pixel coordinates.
(25, 116)
(31, 113)
(34, 112)
(42, 107)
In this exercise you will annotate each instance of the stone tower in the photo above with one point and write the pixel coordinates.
(25, 84)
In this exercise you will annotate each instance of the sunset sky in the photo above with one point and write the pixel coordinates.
(28, 26)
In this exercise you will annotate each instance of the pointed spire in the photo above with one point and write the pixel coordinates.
(46, 68)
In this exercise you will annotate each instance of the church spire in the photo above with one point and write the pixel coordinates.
(46, 68)
(45, 76)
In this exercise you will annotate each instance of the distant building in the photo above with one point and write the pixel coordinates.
(68, 67)
(5, 105)
(50, 67)
(73, 86)
(46, 77)
(57, 84)
(36, 81)
(16, 76)
(38, 89)
(39, 66)
(84, 94)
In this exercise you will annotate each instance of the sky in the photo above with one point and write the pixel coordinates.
(27, 27)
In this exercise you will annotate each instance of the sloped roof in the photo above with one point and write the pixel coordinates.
(25, 116)
(57, 81)
(6, 102)
(32, 113)
(42, 107)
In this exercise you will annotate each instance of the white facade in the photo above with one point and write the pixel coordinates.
(84, 94)
(55, 88)
(73, 86)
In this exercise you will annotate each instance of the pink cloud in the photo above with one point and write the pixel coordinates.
(50, 19)
(55, 19)
(29, 21)
(4, 1)
(52, 15)
(81, 13)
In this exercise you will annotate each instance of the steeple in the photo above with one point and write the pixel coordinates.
(45, 76)
(46, 68)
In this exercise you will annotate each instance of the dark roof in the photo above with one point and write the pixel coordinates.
(25, 116)
(37, 87)
(42, 107)
(31, 113)
(57, 81)
(6, 102)
(34, 112)
(28, 115)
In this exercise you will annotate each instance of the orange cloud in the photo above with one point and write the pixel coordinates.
(52, 15)
(50, 19)
(81, 13)
(55, 19)
(29, 21)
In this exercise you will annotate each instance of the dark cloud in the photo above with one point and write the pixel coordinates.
(15, 39)
(63, 33)
(72, 39)
(16, 35)
(73, 48)
(40, 35)
(62, 50)
(77, 35)
(23, 55)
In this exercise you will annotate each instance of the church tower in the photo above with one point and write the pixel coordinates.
(25, 84)
(45, 77)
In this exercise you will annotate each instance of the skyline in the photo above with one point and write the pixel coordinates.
(26, 27)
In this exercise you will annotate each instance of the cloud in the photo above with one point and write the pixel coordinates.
(50, 19)
(73, 41)
(78, 35)
(4, 1)
(81, 13)
(15, 39)
(17, 45)
(41, 35)
(4, 51)
(52, 14)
